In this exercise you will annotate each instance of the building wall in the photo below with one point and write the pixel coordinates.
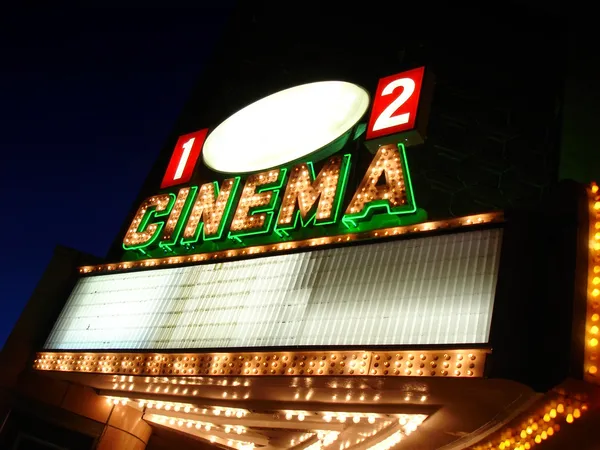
(37, 410)
(493, 136)
(493, 133)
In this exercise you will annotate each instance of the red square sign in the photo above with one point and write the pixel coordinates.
(395, 104)
(184, 158)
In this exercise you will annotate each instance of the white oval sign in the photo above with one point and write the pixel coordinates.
(285, 126)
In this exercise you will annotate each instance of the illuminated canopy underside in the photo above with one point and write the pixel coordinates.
(433, 290)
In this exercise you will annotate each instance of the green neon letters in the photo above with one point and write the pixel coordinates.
(256, 205)
(177, 217)
(296, 211)
(211, 217)
(394, 196)
(144, 229)
(212, 205)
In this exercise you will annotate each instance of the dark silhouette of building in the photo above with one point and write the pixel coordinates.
(493, 145)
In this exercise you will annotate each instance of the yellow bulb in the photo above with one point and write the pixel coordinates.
(576, 413)
(594, 188)
(538, 439)
(560, 408)
(593, 342)
(594, 329)
(569, 418)
(595, 317)
(597, 205)
(595, 293)
(597, 236)
(593, 370)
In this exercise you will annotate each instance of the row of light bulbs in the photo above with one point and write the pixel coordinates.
(179, 407)
(407, 396)
(201, 426)
(593, 302)
(292, 245)
(538, 427)
(429, 363)
(325, 438)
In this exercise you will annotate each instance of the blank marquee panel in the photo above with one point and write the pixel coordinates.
(433, 290)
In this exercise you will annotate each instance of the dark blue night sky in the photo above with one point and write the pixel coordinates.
(88, 98)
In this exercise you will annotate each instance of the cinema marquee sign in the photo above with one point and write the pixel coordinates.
(286, 171)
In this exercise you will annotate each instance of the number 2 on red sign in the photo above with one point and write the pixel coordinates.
(395, 104)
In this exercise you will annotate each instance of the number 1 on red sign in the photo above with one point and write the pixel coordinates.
(184, 158)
